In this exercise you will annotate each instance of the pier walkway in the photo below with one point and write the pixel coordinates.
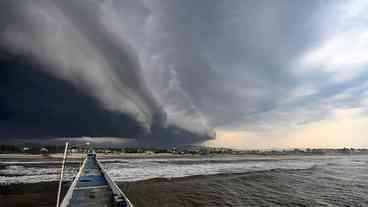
(93, 187)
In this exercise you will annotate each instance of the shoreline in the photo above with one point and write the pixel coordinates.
(78, 156)
(102, 156)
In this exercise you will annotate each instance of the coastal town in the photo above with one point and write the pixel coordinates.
(183, 150)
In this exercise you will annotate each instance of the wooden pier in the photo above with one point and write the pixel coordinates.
(93, 187)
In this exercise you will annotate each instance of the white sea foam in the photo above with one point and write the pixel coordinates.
(142, 169)
(134, 170)
(25, 174)
(33, 162)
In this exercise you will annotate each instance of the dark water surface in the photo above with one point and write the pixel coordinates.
(339, 181)
(318, 186)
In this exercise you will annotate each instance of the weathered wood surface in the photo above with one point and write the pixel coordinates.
(94, 188)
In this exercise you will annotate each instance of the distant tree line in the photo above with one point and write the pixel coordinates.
(49, 149)
(10, 149)
(30, 149)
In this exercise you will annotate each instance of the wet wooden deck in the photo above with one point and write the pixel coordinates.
(92, 188)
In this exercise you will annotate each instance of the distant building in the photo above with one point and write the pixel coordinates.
(149, 152)
(173, 150)
(44, 150)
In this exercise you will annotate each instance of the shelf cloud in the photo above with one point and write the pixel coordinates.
(175, 72)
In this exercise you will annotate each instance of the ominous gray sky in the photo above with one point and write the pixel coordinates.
(176, 71)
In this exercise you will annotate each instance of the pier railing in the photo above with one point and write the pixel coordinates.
(69, 194)
(115, 189)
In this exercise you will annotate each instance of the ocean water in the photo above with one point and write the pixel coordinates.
(143, 169)
(16, 172)
(222, 180)
(332, 181)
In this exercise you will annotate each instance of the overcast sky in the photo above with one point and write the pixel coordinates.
(261, 74)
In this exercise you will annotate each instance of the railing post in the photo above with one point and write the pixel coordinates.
(61, 175)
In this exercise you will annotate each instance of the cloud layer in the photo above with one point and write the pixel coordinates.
(176, 71)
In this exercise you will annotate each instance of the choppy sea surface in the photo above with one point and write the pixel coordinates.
(142, 169)
(223, 180)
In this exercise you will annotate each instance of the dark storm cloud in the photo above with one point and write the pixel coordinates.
(230, 59)
(234, 64)
(64, 74)
(34, 104)
(67, 70)
(166, 71)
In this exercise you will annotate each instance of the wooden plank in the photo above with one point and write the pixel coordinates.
(93, 187)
